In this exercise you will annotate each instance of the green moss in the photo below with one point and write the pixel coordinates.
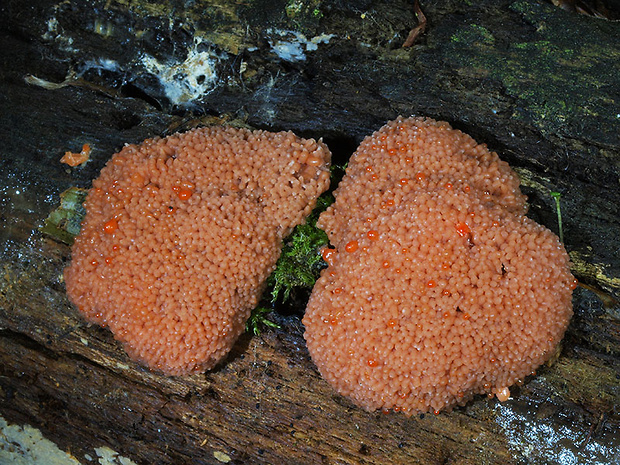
(304, 13)
(300, 262)
(298, 267)
(64, 223)
(556, 75)
(473, 34)
(258, 318)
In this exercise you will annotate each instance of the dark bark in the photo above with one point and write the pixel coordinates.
(538, 84)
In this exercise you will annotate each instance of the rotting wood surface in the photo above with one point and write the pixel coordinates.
(536, 83)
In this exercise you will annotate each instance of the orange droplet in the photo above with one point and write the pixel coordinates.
(333, 321)
(110, 226)
(184, 193)
(573, 284)
(420, 176)
(351, 246)
(449, 186)
(373, 235)
(466, 316)
(466, 188)
(431, 283)
(392, 151)
(372, 362)
(328, 255)
(462, 229)
(374, 177)
(337, 290)
(503, 394)
(108, 260)
(386, 264)
(446, 292)
(369, 169)
(94, 263)
(404, 181)
(391, 323)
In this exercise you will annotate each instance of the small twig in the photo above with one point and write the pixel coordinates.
(556, 197)
(419, 29)
(594, 427)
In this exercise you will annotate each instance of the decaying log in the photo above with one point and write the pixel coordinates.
(538, 84)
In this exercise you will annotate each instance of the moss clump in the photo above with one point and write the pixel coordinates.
(554, 75)
(64, 223)
(298, 267)
(300, 262)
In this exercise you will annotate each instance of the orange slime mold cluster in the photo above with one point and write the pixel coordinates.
(438, 287)
(181, 233)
